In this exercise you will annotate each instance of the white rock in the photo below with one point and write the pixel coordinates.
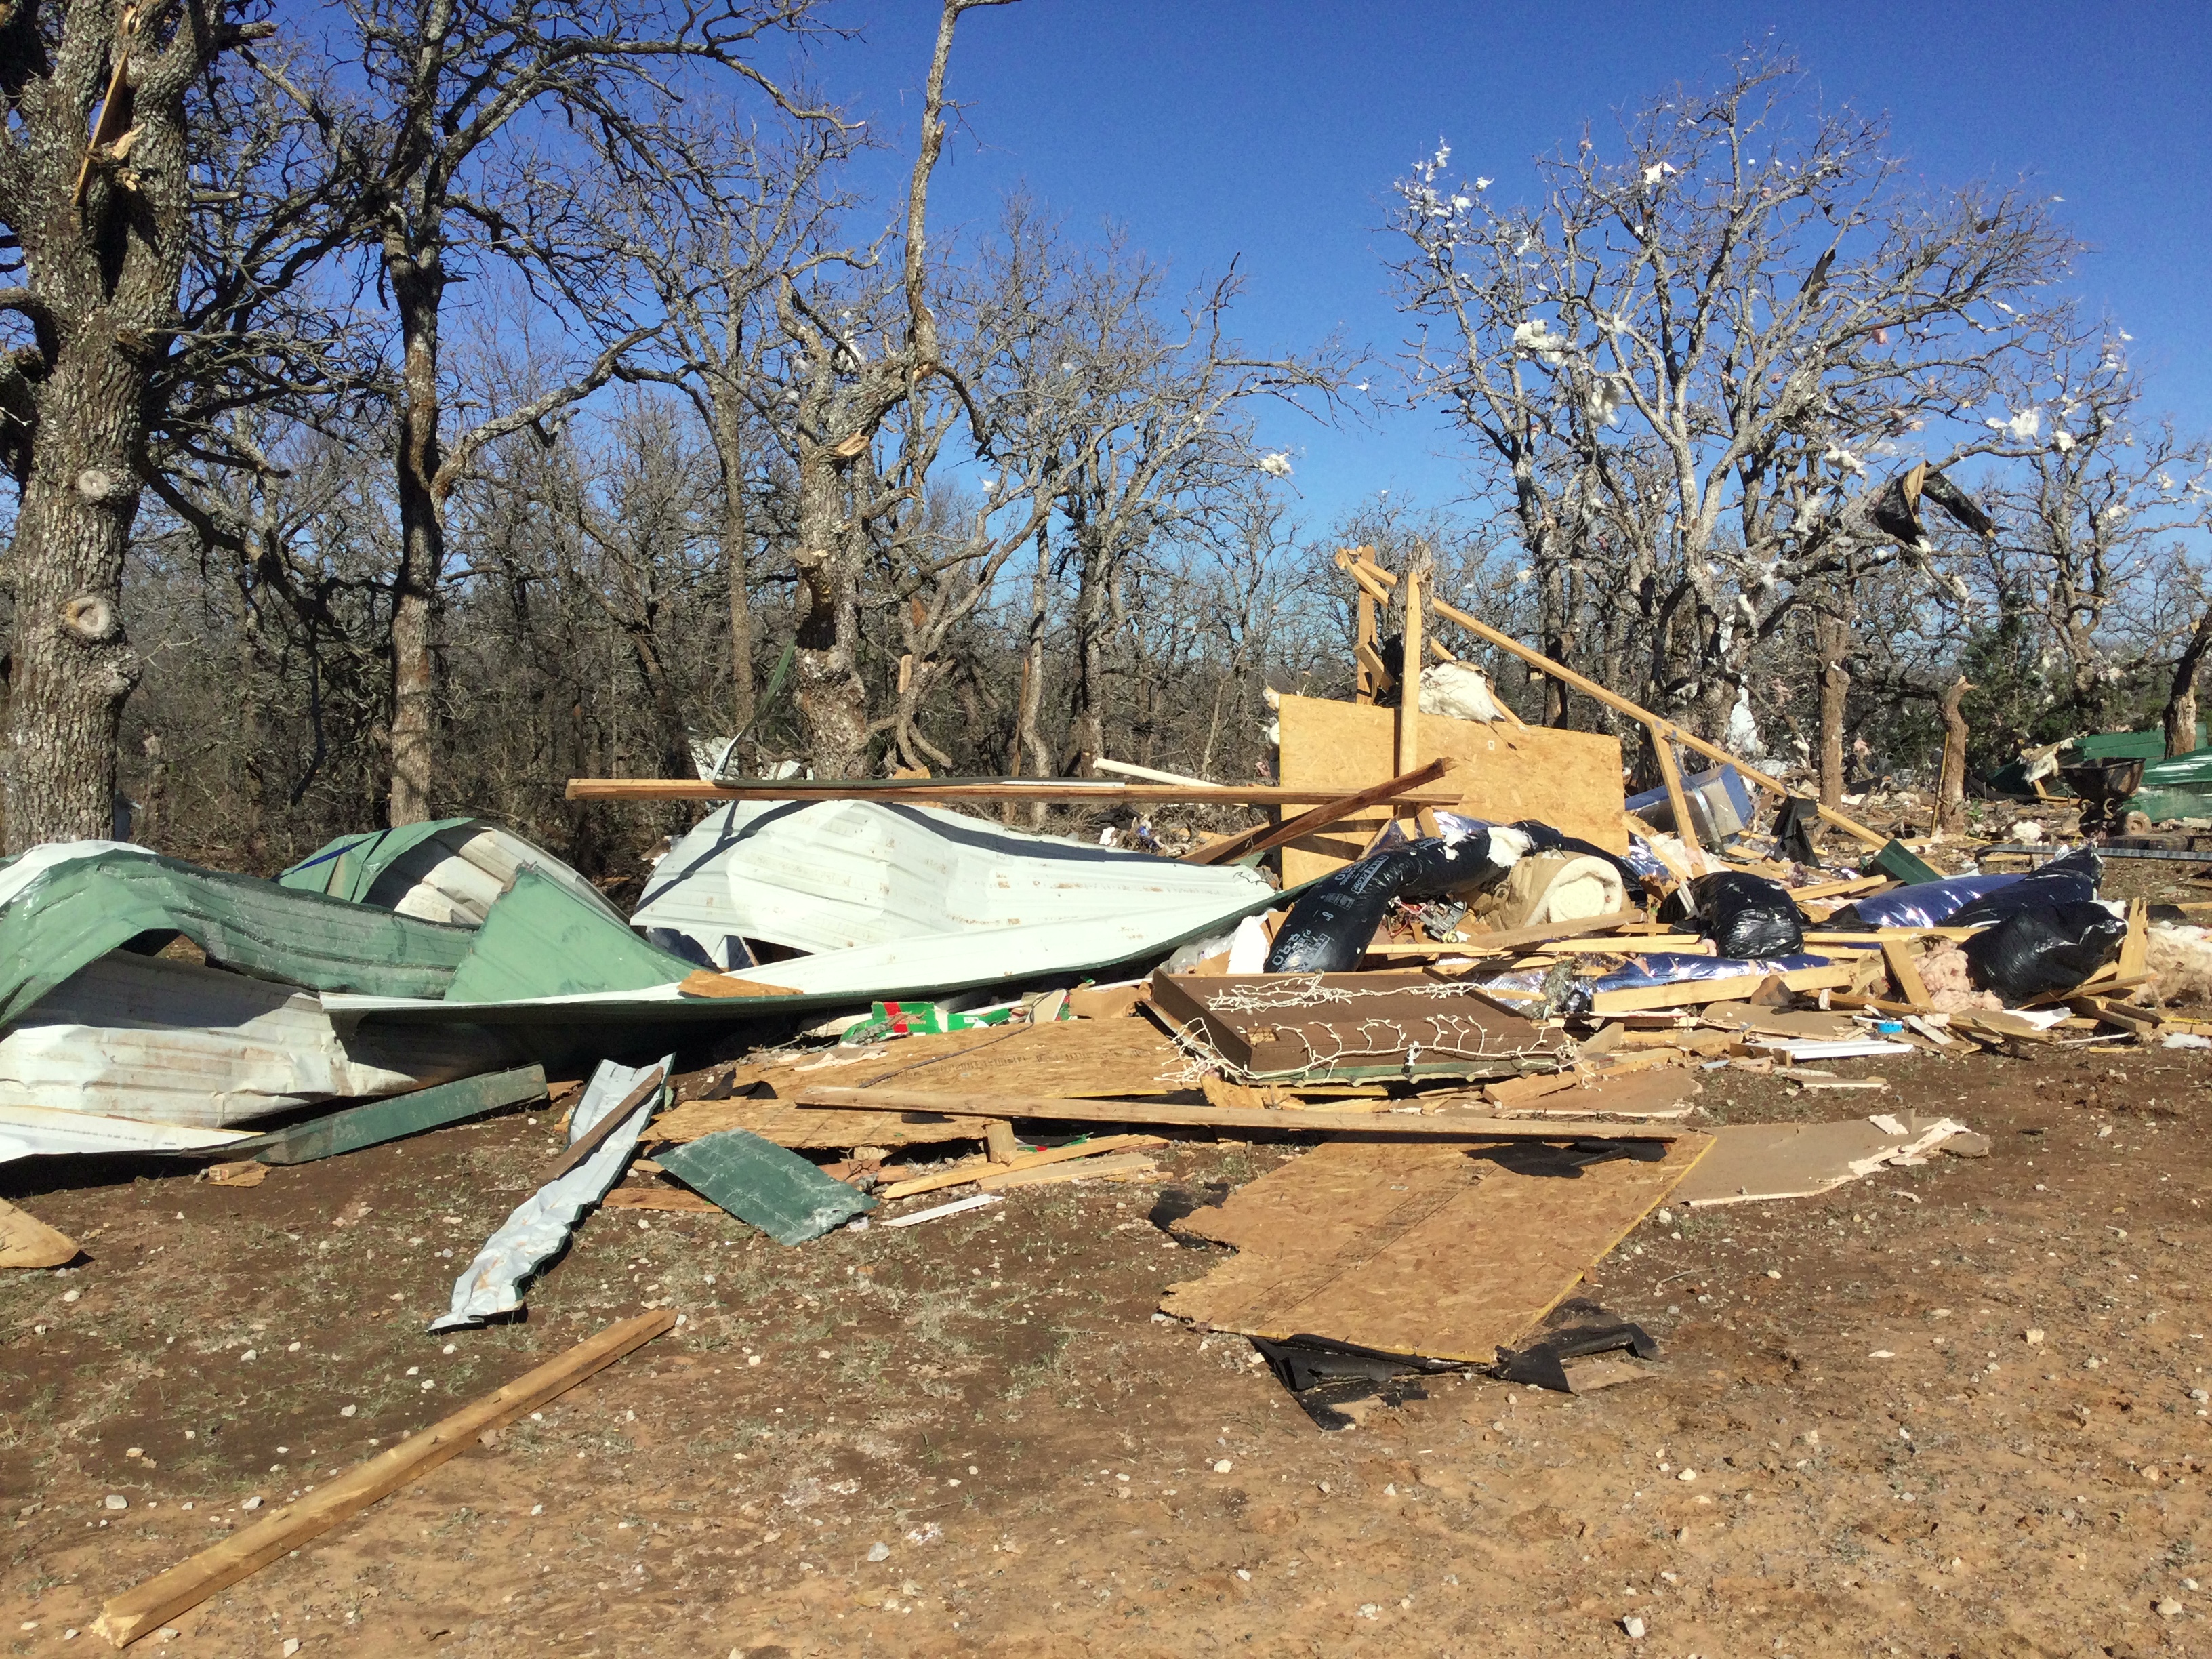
(1634, 1627)
(2035, 1337)
(880, 1552)
(1687, 1474)
(291, 1646)
(252, 1503)
(2169, 1608)
(1222, 1466)
(116, 1500)
(347, 1410)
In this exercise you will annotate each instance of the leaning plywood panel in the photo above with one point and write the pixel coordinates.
(174, 1042)
(830, 876)
(1568, 779)
(1417, 1249)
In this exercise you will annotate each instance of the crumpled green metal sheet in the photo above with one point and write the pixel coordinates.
(77, 912)
(348, 867)
(541, 941)
(783, 1194)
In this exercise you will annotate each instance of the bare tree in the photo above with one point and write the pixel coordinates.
(457, 133)
(1683, 370)
(98, 238)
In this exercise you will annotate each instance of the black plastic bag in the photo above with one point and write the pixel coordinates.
(1794, 824)
(1330, 924)
(2052, 947)
(2070, 880)
(1743, 914)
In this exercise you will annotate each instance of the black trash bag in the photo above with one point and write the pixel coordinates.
(1794, 824)
(1542, 838)
(2070, 880)
(2053, 947)
(1745, 916)
(1330, 924)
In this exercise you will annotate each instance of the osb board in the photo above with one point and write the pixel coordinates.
(1123, 1059)
(1661, 1092)
(1756, 1161)
(1416, 1249)
(1568, 779)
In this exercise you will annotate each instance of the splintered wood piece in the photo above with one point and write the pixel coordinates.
(127, 1617)
(1112, 1166)
(28, 1241)
(1000, 1143)
(1266, 837)
(987, 1173)
(1904, 973)
(706, 982)
(1442, 1125)
(656, 1198)
(2134, 949)
(1427, 1251)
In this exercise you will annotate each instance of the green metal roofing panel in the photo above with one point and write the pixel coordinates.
(783, 1194)
(79, 911)
(348, 867)
(541, 941)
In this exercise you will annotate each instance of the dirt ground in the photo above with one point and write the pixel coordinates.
(974, 1436)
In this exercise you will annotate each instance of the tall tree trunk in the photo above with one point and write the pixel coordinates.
(70, 666)
(417, 286)
(1831, 644)
(1951, 776)
(1093, 617)
(1029, 733)
(730, 449)
(832, 698)
(2181, 700)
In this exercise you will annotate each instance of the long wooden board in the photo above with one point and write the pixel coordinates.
(127, 1617)
(1444, 1126)
(1568, 779)
(933, 791)
(1415, 1249)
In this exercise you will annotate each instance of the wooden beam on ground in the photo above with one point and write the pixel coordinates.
(379, 1120)
(127, 1617)
(1103, 791)
(1266, 837)
(962, 1175)
(1661, 729)
(590, 1142)
(1448, 1125)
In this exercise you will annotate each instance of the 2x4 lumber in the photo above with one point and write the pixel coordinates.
(1904, 973)
(1109, 790)
(1409, 693)
(962, 1175)
(1736, 986)
(589, 1142)
(1678, 799)
(1445, 1127)
(1660, 729)
(127, 1617)
(1266, 837)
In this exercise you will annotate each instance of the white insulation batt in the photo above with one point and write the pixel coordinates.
(829, 876)
(173, 1043)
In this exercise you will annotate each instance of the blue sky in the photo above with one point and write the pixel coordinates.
(1215, 130)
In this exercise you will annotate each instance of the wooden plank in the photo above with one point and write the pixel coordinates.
(1568, 779)
(998, 1142)
(376, 1121)
(1904, 973)
(1266, 837)
(1730, 989)
(28, 1241)
(2134, 949)
(1087, 1169)
(127, 1617)
(1856, 885)
(1409, 695)
(590, 1142)
(1442, 1126)
(706, 982)
(1416, 1249)
(1102, 790)
(1660, 729)
(1678, 800)
(987, 1171)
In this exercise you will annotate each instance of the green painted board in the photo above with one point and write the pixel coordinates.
(376, 1121)
(1895, 860)
(755, 1179)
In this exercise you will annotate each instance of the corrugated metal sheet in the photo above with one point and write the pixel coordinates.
(74, 913)
(834, 875)
(33, 1130)
(539, 941)
(173, 1043)
(451, 870)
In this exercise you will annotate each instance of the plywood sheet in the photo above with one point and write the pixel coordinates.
(1755, 1161)
(1418, 1249)
(1568, 779)
(1123, 1059)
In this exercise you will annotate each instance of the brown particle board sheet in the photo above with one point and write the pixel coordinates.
(1123, 1058)
(1568, 779)
(1417, 1249)
(1752, 1161)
